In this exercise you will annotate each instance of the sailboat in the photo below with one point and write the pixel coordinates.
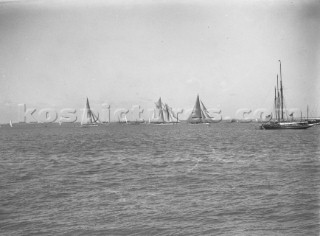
(279, 122)
(199, 114)
(89, 119)
(10, 123)
(163, 114)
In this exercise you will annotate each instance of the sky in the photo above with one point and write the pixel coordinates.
(56, 53)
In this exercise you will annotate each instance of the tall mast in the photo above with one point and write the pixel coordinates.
(278, 100)
(275, 103)
(281, 91)
(307, 112)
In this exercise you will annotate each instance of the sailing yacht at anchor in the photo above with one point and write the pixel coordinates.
(279, 122)
(89, 119)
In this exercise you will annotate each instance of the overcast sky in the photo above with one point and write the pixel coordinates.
(57, 53)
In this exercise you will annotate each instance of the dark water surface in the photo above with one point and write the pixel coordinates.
(223, 179)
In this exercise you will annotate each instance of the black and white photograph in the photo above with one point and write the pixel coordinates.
(160, 117)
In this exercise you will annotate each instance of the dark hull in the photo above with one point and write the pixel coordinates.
(199, 123)
(314, 122)
(163, 123)
(279, 126)
(135, 122)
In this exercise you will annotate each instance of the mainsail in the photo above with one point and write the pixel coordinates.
(88, 117)
(169, 115)
(159, 110)
(199, 113)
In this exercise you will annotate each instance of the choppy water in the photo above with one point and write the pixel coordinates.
(223, 179)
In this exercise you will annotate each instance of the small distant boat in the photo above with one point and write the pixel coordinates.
(312, 121)
(199, 114)
(89, 119)
(163, 114)
(10, 123)
(280, 122)
(123, 119)
(136, 122)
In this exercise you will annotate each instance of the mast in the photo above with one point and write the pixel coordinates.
(281, 92)
(275, 102)
(109, 112)
(278, 100)
(307, 112)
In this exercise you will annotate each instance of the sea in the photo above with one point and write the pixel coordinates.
(217, 179)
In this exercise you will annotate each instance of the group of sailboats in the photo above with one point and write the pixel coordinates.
(163, 114)
(279, 121)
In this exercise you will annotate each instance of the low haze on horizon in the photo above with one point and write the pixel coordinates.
(56, 53)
